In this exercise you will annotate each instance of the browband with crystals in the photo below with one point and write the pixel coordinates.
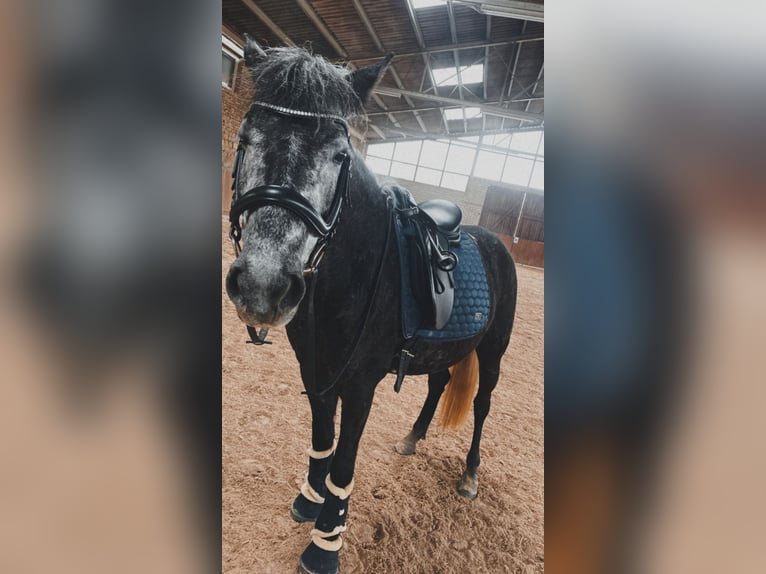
(299, 113)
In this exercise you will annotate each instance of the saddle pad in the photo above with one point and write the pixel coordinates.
(470, 310)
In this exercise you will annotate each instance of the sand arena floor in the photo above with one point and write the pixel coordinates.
(405, 514)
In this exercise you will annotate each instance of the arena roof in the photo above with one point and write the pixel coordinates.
(483, 57)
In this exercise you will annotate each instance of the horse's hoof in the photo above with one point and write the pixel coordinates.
(407, 445)
(303, 510)
(314, 560)
(468, 486)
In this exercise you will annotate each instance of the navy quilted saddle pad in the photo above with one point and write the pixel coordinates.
(470, 309)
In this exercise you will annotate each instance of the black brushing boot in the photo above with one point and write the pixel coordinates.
(321, 555)
(308, 503)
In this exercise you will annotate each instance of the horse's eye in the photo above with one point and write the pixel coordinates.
(340, 156)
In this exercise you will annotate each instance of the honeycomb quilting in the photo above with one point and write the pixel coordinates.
(470, 310)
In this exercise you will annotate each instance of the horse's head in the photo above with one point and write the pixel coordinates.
(292, 144)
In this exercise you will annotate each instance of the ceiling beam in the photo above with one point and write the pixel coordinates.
(288, 41)
(508, 9)
(374, 35)
(485, 108)
(261, 15)
(522, 39)
(424, 54)
(487, 37)
(534, 87)
(376, 129)
(404, 134)
(414, 22)
(232, 35)
(456, 57)
(432, 108)
(511, 72)
(320, 25)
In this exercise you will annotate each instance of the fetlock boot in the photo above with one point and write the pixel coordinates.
(308, 503)
(321, 555)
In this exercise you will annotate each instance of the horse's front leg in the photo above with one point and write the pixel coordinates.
(321, 555)
(308, 503)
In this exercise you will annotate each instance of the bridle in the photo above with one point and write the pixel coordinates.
(321, 226)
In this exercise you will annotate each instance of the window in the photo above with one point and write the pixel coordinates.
(460, 159)
(526, 141)
(454, 181)
(538, 176)
(379, 166)
(489, 165)
(434, 154)
(429, 176)
(229, 67)
(517, 170)
(407, 152)
(449, 163)
(231, 54)
(498, 140)
(401, 170)
(468, 74)
(384, 150)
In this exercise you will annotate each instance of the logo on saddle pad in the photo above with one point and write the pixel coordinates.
(478, 316)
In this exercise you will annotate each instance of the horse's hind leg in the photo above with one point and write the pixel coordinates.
(308, 503)
(489, 372)
(436, 383)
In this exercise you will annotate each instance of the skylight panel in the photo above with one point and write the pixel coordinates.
(472, 74)
(469, 74)
(457, 113)
(417, 4)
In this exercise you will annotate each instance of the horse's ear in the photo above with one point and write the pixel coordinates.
(364, 79)
(253, 52)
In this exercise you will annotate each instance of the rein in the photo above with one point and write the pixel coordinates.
(321, 226)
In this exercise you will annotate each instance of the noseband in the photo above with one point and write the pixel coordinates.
(321, 226)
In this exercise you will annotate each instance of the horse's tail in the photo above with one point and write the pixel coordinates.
(456, 401)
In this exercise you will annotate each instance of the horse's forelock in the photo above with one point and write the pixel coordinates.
(295, 78)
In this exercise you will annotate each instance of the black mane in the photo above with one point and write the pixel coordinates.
(295, 78)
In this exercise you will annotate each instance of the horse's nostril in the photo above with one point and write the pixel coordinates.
(232, 282)
(294, 292)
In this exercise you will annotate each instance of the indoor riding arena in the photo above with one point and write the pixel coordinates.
(457, 115)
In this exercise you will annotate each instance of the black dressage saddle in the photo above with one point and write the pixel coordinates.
(430, 229)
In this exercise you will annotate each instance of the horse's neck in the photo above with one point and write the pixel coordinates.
(365, 186)
(363, 224)
(369, 212)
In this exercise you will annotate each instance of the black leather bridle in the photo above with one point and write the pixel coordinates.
(321, 226)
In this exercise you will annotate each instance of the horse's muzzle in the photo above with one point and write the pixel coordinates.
(264, 299)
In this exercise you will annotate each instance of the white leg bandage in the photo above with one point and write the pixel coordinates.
(308, 491)
(319, 538)
(319, 455)
(342, 493)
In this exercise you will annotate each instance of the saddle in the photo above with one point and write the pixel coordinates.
(431, 231)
